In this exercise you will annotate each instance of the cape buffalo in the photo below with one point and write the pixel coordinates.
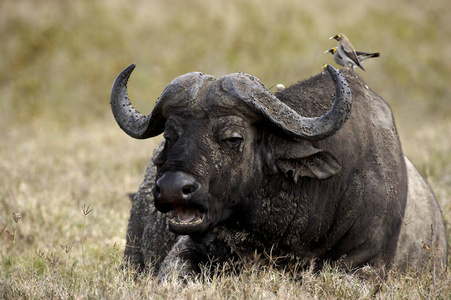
(298, 174)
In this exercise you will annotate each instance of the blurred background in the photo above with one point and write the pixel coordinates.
(60, 146)
(59, 58)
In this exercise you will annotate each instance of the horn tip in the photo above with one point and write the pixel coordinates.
(329, 68)
(131, 67)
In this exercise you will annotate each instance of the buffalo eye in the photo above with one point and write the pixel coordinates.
(234, 140)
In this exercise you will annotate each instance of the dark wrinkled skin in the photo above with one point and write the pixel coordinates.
(341, 199)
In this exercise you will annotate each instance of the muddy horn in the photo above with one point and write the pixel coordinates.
(181, 92)
(253, 93)
(184, 90)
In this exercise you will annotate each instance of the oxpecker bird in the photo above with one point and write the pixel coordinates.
(362, 56)
(346, 51)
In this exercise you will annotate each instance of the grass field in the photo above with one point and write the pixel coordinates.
(66, 167)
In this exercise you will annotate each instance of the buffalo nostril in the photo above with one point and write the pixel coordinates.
(188, 189)
(157, 189)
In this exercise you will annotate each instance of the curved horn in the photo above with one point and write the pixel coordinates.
(127, 117)
(178, 94)
(250, 90)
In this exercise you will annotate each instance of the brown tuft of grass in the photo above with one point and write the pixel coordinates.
(49, 278)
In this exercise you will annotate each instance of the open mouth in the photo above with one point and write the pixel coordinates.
(186, 220)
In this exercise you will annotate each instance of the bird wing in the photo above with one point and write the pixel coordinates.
(350, 53)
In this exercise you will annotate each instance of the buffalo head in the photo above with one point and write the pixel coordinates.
(215, 154)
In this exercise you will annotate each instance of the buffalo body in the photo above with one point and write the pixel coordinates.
(297, 175)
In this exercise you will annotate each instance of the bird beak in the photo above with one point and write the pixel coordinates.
(332, 37)
(327, 51)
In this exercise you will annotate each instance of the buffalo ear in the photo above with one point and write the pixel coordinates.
(297, 159)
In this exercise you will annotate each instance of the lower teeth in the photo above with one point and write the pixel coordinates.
(176, 220)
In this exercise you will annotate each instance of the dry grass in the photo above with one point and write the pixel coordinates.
(61, 151)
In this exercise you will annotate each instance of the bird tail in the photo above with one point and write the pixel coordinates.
(367, 55)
